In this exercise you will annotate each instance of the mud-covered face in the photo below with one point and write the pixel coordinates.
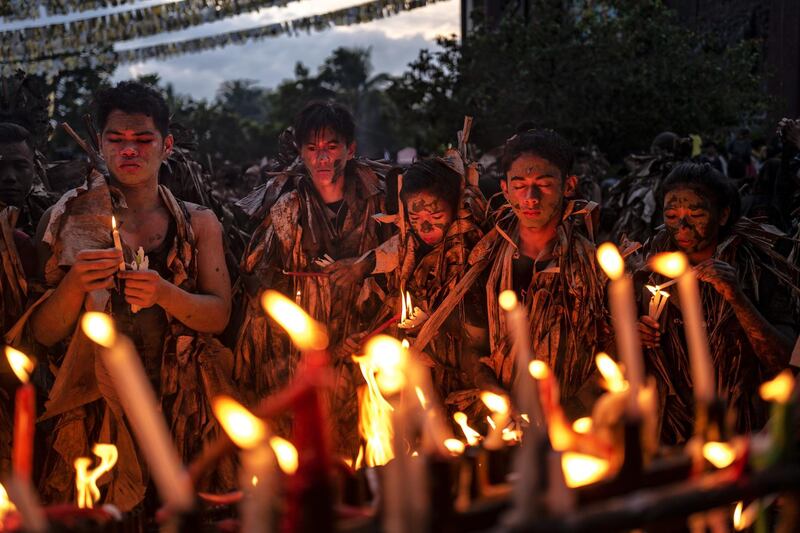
(133, 148)
(325, 155)
(430, 216)
(536, 190)
(692, 221)
(16, 172)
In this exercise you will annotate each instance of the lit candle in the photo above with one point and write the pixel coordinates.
(141, 407)
(527, 395)
(499, 407)
(657, 302)
(24, 415)
(117, 241)
(257, 474)
(624, 318)
(675, 265)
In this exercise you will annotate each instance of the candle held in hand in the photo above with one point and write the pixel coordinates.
(117, 241)
(24, 414)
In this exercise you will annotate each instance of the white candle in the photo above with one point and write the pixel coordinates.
(624, 319)
(675, 265)
(117, 241)
(142, 409)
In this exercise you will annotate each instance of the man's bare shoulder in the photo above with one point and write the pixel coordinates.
(203, 219)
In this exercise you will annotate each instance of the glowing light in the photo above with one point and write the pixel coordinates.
(285, 453)
(611, 373)
(779, 389)
(670, 264)
(305, 332)
(507, 300)
(6, 506)
(359, 458)
(538, 369)
(525, 417)
(470, 434)
(454, 446)
(387, 358)
(375, 413)
(491, 422)
(582, 425)
(581, 469)
(719, 454)
(254, 481)
(245, 430)
(496, 403)
(86, 480)
(421, 397)
(113, 222)
(20, 363)
(511, 435)
(737, 517)
(610, 260)
(99, 328)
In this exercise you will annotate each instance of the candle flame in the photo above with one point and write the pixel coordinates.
(421, 397)
(538, 369)
(409, 305)
(305, 332)
(491, 422)
(359, 458)
(581, 469)
(610, 260)
(254, 481)
(779, 389)
(470, 434)
(737, 516)
(387, 358)
(403, 310)
(507, 300)
(454, 446)
(244, 429)
(719, 454)
(583, 425)
(495, 402)
(21, 364)
(113, 222)
(86, 480)
(6, 505)
(511, 435)
(285, 453)
(99, 327)
(611, 373)
(383, 356)
(670, 264)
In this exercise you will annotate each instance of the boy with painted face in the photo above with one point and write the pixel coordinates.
(541, 247)
(748, 313)
(318, 212)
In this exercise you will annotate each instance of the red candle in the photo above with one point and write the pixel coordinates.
(24, 415)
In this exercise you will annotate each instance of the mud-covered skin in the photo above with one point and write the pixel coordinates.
(16, 172)
(325, 156)
(692, 222)
(133, 148)
(429, 215)
(535, 189)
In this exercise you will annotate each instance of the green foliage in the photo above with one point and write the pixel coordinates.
(614, 72)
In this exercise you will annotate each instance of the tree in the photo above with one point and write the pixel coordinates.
(612, 72)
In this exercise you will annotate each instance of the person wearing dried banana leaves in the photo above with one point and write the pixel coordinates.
(18, 258)
(749, 293)
(315, 214)
(440, 222)
(541, 247)
(171, 297)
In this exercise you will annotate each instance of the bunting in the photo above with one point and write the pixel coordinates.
(361, 13)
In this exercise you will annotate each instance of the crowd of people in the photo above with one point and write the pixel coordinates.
(347, 239)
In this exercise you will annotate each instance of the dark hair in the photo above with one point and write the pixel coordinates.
(434, 176)
(709, 183)
(546, 144)
(132, 97)
(14, 133)
(318, 115)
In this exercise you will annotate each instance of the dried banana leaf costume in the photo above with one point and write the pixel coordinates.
(565, 302)
(13, 297)
(84, 398)
(297, 229)
(429, 279)
(770, 282)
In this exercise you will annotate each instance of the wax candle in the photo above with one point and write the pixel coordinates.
(624, 319)
(142, 409)
(117, 241)
(24, 415)
(676, 265)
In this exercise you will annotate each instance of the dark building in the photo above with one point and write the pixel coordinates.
(775, 22)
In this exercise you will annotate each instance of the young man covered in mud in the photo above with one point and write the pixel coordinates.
(541, 247)
(748, 290)
(315, 215)
(170, 310)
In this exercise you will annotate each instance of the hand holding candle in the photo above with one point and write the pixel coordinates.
(117, 241)
(24, 414)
